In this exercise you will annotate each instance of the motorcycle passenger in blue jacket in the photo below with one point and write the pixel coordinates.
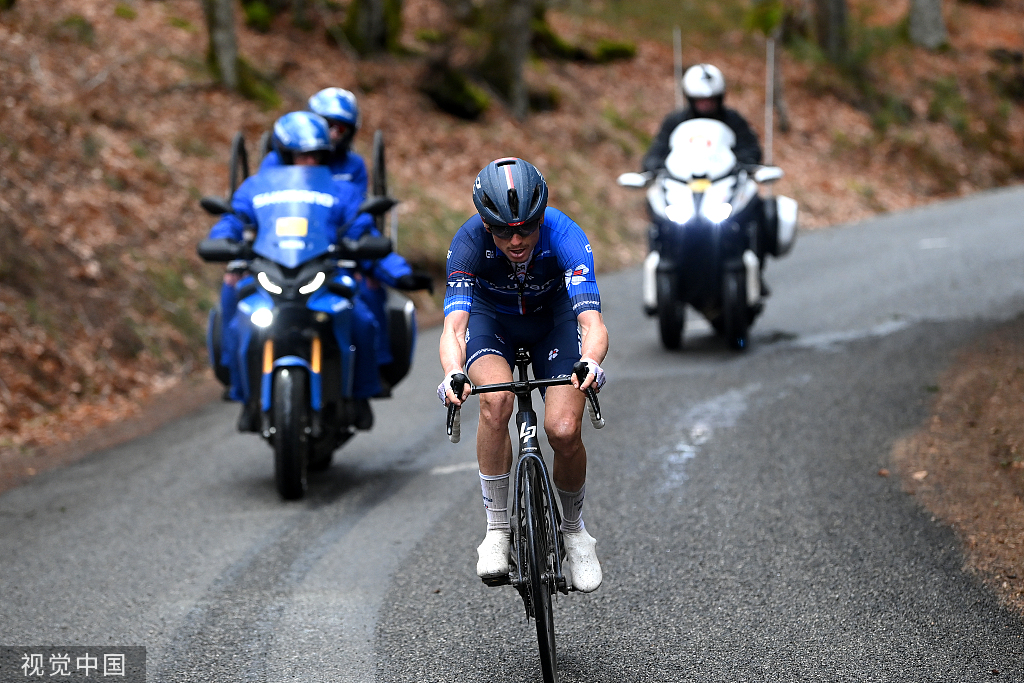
(300, 138)
(338, 106)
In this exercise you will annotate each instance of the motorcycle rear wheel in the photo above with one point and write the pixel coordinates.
(671, 313)
(291, 435)
(735, 313)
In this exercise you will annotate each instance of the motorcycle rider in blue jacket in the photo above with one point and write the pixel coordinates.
(300, 138)
(339, 108)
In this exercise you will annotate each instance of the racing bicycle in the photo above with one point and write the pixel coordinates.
(537, 548)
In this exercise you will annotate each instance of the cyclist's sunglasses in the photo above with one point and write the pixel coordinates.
(505, 232)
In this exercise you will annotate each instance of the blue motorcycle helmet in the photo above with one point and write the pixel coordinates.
(301, 132)
(339, 107)
(510, 195)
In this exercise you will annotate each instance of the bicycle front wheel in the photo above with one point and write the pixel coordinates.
(539, 547)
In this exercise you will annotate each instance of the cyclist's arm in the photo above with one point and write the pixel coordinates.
(453, 348)
(594, 340)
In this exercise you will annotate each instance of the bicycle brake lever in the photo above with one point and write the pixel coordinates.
(594, 406)
(454, 423)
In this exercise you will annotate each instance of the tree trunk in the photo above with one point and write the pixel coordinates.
(220, 24)
(927, 28)
(373, 26)
(507, 24)
(778, 96)
(830, 22)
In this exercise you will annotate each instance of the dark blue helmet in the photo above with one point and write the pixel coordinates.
(510, 195)
(338, 106)
(299, 132)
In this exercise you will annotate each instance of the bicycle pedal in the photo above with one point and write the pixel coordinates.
(496, 580)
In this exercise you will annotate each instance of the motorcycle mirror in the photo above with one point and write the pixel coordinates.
(220, 250)
(768, 174)
(376, 206)
(637, 180)
(215, 206)
(367, 247)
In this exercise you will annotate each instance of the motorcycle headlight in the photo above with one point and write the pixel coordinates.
(679, 213)
(262, 317)
(267, 284)
(318, 280)
(719, 212)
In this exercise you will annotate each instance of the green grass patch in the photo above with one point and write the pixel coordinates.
(125, 11)
(182, 23)
(612, 50)
(258, 16)
(176, 301)
(701, 23)
(193, 147)
(73, 29)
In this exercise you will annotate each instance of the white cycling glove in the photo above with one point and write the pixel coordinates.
(447, 384)
(595, 369)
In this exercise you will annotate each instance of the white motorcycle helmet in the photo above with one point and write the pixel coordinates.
(703, 80)
(704, 87)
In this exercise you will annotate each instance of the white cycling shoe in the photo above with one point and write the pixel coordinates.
(493, 554)
(581, 568)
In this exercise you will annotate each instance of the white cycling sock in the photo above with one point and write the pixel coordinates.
(495, 492)
(572, 509)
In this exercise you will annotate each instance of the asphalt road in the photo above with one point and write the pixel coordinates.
(744, 531)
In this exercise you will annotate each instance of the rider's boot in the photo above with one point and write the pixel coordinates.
(581, 568)
(493, 562)
(249, 418)
(364, 414)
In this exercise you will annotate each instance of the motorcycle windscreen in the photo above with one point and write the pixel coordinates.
(701, 148)
(293, 206)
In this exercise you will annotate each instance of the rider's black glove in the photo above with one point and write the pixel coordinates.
(411, 281)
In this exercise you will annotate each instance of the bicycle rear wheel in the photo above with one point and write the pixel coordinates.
(536, 527)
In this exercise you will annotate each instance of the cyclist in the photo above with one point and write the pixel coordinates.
(520, 273)
(300, 138)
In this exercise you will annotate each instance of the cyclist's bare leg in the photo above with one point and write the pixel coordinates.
(563, 415)
(494, 458)
(493, 445)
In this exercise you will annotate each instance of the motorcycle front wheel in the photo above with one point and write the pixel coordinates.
(671, 313)
(291, 432)
(735, 314)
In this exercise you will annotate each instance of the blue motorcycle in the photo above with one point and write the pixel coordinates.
(710, 233)
(295, 322)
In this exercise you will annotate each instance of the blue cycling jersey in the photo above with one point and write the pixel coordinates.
(351, 168)
(561, 267)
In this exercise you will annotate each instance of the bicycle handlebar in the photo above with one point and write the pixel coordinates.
(459, 381)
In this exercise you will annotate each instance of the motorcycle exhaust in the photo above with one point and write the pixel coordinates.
(753, 267)
(650, 283)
